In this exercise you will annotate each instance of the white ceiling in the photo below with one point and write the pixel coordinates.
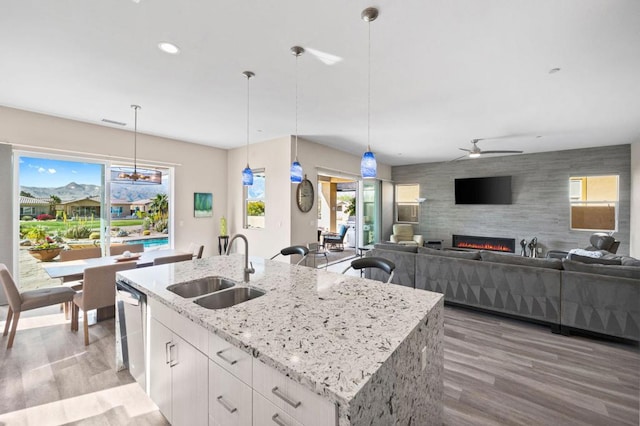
(443, 71)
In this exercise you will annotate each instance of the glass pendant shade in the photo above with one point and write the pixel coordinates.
(296, 172)
(368, 165)
(247, 176)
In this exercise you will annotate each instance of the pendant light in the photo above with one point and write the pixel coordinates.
(368, 165)
(247, 174)
(128, 175)
(296, 168)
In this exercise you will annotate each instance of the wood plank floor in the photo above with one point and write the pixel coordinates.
(497, 372)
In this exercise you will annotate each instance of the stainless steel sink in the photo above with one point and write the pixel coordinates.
(228, 298)
(201, 286)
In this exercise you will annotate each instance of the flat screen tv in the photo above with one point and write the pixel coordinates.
(483, 190)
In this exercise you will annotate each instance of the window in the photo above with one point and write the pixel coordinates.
(254, 205)
(407, 203)
(594, 202)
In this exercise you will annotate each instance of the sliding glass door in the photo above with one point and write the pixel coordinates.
(68, 203)
(61, 204)
(370, 212)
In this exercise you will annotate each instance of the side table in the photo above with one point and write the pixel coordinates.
(223, 242)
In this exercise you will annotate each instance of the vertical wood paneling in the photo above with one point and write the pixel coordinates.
(540, 185)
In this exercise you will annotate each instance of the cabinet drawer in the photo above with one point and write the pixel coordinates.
(294, 399)
(229, 398)
(267, 414)
(234, 360)
(194, 334)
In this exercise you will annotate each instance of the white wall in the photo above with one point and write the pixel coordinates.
(634, 243)
(272, 156)
(201, 169)
(286, 224)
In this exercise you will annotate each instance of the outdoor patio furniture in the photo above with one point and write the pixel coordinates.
(335, 241)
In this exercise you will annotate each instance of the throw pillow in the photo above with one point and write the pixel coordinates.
(396, 247)
(630, 261)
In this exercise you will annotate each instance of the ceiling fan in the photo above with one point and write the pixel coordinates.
(476, 152)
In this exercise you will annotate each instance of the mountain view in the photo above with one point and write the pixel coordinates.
(74, 191)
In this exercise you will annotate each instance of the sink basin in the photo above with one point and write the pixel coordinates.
(227, 298)
(201, 286)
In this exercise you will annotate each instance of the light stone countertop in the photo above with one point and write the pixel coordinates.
(328, 331)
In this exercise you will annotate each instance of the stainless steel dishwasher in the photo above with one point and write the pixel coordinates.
(131, 331)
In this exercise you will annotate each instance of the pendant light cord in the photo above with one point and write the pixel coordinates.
(135, 139)
(369, 91)
(248, 78)
(297, 106)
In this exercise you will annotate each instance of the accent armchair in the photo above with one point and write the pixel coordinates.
(335, 242)
(403, 234)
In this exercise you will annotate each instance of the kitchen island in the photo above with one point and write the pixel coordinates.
(369, 352)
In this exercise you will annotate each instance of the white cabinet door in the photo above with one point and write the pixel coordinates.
(160, 340)
(189, 384)
(229, 398)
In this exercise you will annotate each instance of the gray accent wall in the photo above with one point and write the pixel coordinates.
(6, 213)
(540, 185)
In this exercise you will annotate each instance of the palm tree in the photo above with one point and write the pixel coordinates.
(160, 205)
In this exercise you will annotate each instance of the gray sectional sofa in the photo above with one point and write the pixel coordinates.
(566, 294)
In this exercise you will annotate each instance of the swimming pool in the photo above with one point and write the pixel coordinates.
(150, 242)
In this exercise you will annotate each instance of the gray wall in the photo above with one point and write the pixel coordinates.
(6, 214)
(634, 249)
(540, 184)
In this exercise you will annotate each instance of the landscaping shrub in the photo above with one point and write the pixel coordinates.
(162, 225)
(44, 216)
(94, 236)
(26, 218)
(77, 231)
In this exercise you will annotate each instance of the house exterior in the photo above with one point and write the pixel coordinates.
(30, 206)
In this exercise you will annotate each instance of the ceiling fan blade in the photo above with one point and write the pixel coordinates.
(502, 152)
(464, 149)
(324, 57)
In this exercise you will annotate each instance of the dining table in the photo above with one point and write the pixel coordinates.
(76, 267)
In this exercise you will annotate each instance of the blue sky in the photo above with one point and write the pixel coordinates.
(47, 173)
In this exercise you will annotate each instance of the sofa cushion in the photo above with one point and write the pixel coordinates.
(595, 260)
(470, 255)
(397, 247)
(630, 261)
(535, 262)
(632, 272)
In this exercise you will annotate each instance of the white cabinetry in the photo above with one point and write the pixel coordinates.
(291, 398)
(229, 398)
(267, 414)
(178, 371)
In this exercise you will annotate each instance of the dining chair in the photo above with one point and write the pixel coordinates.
(98, 291)
(172, 259)
(75, 281)
(196, 250)
(373, 262)
(118, 249)
(28, 300)
(288, 251)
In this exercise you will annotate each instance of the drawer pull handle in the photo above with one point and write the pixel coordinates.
(276, 419)
(285, 398)
(230, 361)
(167, 353)
(226, 405)
(172, 362)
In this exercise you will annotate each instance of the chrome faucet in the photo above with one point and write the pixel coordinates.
(247, 270)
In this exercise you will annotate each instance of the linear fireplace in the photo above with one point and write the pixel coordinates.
(507, 245)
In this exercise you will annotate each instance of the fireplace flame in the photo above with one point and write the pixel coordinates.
(484, 246)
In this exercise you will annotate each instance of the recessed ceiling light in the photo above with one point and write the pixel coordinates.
(554, 70)
(167, 47)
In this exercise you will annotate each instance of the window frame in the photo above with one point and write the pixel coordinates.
(397, 203)
(246, 199)
(580, 201)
